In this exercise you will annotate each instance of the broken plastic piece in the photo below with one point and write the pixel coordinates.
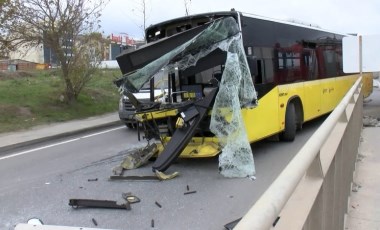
(130, 198)
(118, 170)
(231, 225)
(35, 221)
(163, 176)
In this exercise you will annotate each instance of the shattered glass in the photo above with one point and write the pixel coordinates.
(236, 90)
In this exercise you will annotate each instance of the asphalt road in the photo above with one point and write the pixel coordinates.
(38, 181)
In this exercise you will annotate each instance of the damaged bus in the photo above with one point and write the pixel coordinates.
(228, 79)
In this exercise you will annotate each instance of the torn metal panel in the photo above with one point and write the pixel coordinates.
(183, 56)
(182, 136)
(131, 61)
(76, 203)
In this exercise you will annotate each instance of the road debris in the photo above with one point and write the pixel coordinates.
(95, 179)
(130, 198)
(158, 177)
(187, 188)
(135, 178)
(94, 221)
(232, 224)
(118, 170)
(135, 159)
(152, 223)
(163, 176)
(76, 203)
(158, 204)
(191, 192)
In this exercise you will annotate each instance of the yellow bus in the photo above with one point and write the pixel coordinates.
(296, 70)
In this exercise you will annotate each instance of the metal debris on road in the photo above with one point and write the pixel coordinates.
(76, 203)
(158, 177)
(135, 178)
(95, 179)
(191, 192)
(94, 221)
(158, 204)
(152, 223)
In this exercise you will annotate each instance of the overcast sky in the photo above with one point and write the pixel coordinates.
(345, 16)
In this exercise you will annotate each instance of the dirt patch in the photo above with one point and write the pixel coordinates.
(14, 110)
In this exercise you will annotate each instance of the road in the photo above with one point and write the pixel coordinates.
(38, 181)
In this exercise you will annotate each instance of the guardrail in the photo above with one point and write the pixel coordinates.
(312, 191)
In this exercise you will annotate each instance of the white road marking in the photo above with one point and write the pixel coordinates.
(59, 143)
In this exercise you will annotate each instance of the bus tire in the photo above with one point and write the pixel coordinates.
(289, 132)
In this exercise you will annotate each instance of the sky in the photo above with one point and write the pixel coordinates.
(345, 16)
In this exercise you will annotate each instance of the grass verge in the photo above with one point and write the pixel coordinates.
(34, 98)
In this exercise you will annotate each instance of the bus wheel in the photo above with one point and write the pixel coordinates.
(290, 124)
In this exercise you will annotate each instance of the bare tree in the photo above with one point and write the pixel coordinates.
(65, 26)
(140, 7)
(187, 6)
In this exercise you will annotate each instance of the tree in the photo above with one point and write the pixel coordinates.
(65, 26)
(6, 12)
(187, 6)
(140, 7)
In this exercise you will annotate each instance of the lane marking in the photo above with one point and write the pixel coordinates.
(103, 132)
(59, 143)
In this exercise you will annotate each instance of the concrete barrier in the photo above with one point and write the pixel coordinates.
(313, 190)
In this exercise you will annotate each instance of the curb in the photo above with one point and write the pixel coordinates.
(6, 148)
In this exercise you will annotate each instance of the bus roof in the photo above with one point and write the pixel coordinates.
(234, 14)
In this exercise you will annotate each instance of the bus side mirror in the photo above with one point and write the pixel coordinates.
(252, 64)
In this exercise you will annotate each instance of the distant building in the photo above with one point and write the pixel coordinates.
(120, 43)
(29, 54)
(42, 56)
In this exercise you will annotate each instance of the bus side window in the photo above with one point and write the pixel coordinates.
(255, 66)
(259, 76)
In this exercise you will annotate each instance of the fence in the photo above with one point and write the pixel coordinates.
(313, 190)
